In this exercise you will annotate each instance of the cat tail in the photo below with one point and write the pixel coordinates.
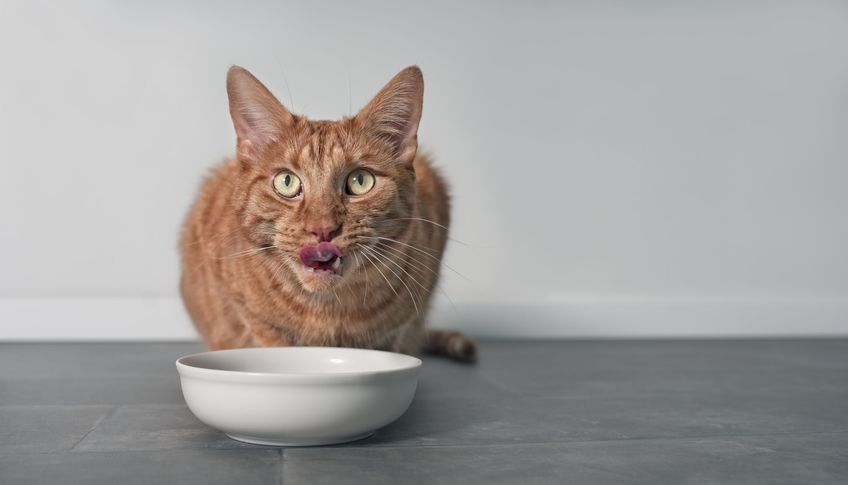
(451, 344)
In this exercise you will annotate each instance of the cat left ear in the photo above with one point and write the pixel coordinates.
(394, 113)
(259, 118)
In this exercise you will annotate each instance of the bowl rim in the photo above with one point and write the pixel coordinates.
(194, 371)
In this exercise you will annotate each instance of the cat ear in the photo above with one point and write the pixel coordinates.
(258, 117)
(395, 111)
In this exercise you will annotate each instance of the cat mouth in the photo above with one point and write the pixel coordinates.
(323, 258)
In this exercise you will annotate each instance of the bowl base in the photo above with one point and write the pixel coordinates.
(334, 440)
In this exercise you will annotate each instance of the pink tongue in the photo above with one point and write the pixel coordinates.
(319, 253)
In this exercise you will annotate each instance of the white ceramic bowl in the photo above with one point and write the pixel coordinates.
(298, 396)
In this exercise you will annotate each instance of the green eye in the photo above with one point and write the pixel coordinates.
(359, 182)
(287, 184)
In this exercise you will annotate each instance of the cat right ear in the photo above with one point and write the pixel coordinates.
(259, 118)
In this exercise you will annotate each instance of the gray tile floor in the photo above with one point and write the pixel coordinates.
(529, 412)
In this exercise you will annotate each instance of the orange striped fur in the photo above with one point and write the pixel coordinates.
(243, 283)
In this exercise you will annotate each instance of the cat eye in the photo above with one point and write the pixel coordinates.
(360, 182)
(287, 184)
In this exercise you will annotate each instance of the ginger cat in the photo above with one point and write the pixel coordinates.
(325, 233)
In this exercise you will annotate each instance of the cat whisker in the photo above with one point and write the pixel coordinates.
(286, 81)
(386, 279)
(426, 251)
(200, 239)
(351, 290)
(420, 262)
(421, 219)
(381, 273)
(411, 296)
(418, 265)
(420, 251)
(247, 252)
(362, 270)
(276, 267)
(388, 257)
(220, 240)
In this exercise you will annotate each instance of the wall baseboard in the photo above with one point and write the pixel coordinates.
(163, 318)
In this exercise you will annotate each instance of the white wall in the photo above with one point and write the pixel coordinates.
(683, 166)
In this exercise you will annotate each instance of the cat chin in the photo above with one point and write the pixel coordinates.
(318, 280)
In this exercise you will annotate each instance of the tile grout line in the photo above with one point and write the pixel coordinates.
(584, 442)
(94, 426)
(281, 451)
(282, 463)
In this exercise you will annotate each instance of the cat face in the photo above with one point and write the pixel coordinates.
(314, 192)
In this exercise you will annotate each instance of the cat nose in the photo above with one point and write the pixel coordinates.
(323, 232)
